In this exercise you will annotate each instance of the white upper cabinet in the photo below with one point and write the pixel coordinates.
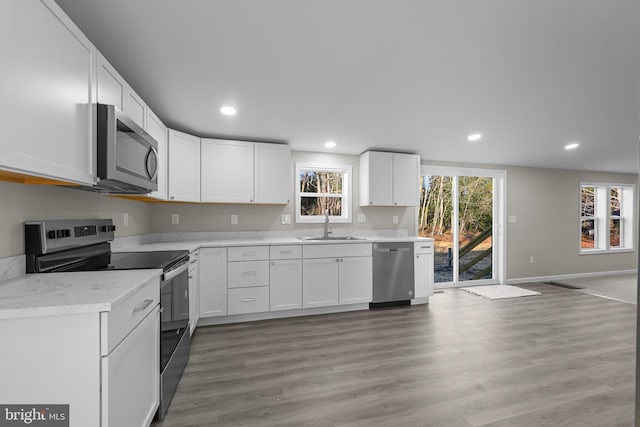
(111, 86)
(184, 167)
(245, 172)
(48, 129)
(376, 176)
(135, 108)
(406, 179)
(159, 132)
(114, 90)
(389, 179)
(272, 174)
(227, 171)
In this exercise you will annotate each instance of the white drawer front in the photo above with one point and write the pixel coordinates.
(337, 251)
(423, 248)
(285, 252)
(248, 300)
(243, 274)
(248, 253)
(121, 320)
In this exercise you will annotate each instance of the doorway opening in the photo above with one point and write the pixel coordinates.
(462, 209)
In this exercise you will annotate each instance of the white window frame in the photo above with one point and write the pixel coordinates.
(346, 171)
(602, 216)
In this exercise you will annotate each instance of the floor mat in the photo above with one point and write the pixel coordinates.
(500, 291)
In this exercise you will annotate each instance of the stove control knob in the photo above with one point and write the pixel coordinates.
(51, 234)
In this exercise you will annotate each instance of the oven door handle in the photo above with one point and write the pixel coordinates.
(173, 273)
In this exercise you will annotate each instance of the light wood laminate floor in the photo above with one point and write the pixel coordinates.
(560, 359)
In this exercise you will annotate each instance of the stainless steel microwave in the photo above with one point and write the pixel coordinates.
(127, 156)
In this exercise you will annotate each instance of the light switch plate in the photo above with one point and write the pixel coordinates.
(125, 219)
(175, 218)
(396, 220)
(286, 219)
(362, 218)
(234, 219)
(512, 219)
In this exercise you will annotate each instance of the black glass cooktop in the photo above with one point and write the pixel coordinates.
(140, 260)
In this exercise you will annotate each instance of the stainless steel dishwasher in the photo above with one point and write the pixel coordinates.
(393, 277)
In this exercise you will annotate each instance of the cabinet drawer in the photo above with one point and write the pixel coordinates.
(117, 323)
(248, 300)
(423, 248)
(285, 252)
(248, 253)
(337, 251)
(248, 273)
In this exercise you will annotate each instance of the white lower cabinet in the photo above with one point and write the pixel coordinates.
(130, 377)
(248, 300)
(320, 282)
(336, 274)
(104, 365)
(213, 282)
(285, 284)
(243, 274)
(355, 280)
(423, 270)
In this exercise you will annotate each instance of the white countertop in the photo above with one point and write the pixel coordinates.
(196, 244)
(48, 294)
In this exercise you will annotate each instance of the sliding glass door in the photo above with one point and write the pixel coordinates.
(462, 210)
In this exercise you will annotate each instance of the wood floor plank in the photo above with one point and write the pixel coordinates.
(563, 358)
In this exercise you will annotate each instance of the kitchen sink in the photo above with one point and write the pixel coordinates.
(329, 238)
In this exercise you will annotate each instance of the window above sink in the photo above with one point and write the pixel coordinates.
(320, 187)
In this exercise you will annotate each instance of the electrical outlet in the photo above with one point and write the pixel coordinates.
(234, 219)
(512, 219)
(531, 259)
(362, 218)
(125, 219)
(286, 219)
(175, 218)
(396, 220)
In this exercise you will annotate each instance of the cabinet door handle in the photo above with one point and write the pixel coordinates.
(248, 299)
(190, 277)
(146, 303)
(252, 254)
(286, 252)
(273, 263)
(249, 273)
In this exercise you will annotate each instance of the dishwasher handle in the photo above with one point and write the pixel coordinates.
(393, 250)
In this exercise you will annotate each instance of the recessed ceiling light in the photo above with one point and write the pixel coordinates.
(228, 110)
(571, 146)
(330, 144)
(474, 137)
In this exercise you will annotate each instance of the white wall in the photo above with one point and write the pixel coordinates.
(546, 204)
(217, 217)
(19, 203)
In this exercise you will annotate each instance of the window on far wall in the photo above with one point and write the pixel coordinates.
(606, 217)
(320, 188)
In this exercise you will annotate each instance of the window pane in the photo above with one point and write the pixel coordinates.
(614, 233)
(317, 205)
(588, 200)
(588, 234)
(614, 201)
(318, 181)
(308, 181)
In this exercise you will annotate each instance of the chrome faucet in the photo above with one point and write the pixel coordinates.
(326, 224)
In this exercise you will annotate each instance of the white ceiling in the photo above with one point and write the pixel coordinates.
(409, 75)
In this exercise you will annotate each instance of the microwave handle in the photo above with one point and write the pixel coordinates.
(153, 150)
